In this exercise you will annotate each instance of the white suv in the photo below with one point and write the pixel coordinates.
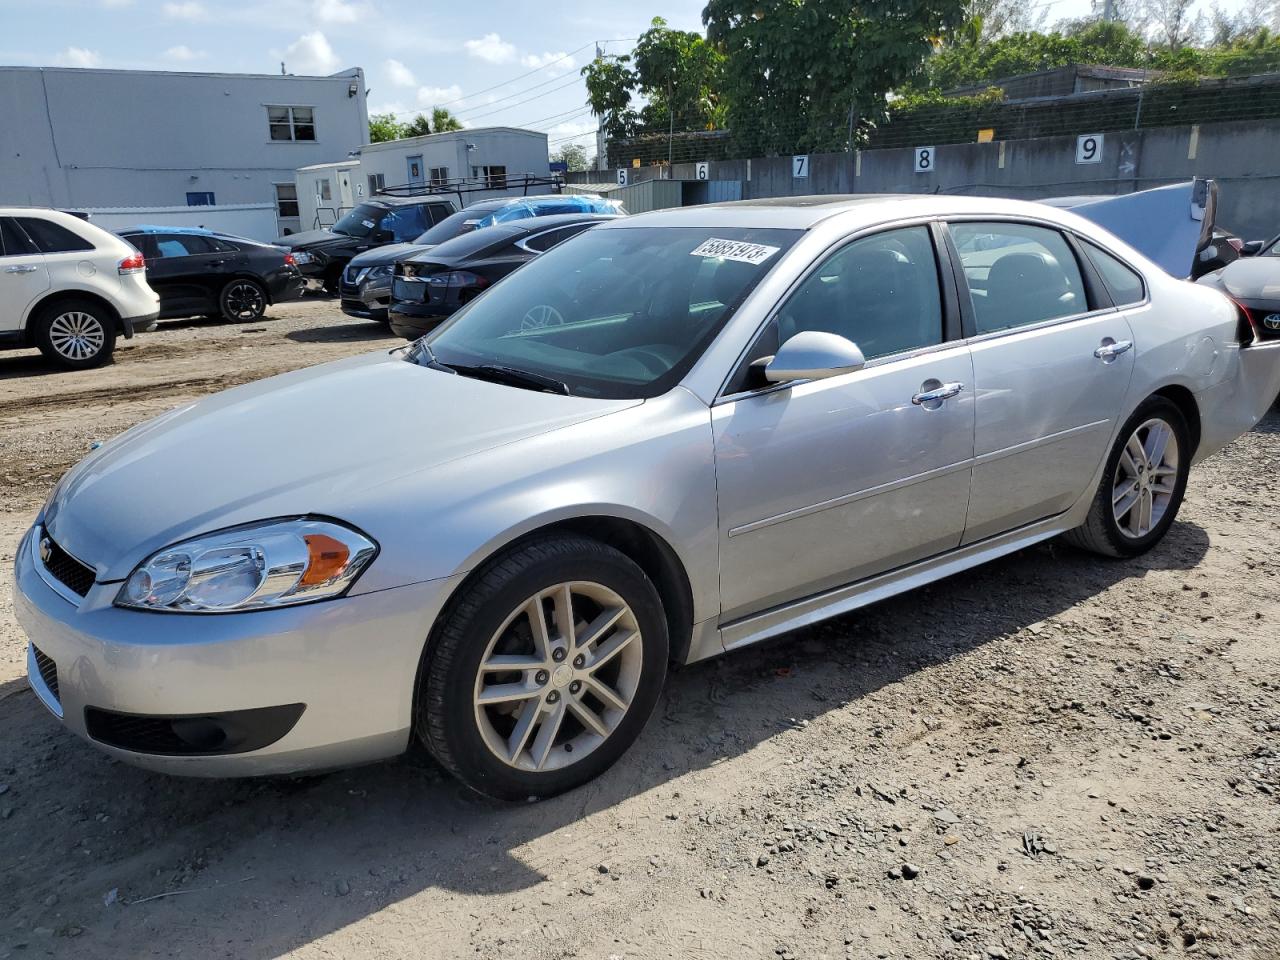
(69, 287)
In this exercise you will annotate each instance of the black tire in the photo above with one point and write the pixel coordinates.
(53, 327)
(1101, 533)
(331, 281)
(242, 301)
(445, 716)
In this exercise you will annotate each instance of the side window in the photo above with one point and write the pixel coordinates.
(545, 241)
(881, 292)
(222, 246)
(1122, 281)
(404, 223)
(180, 245)
(52, 237)
(1018, 274)
(13, 242)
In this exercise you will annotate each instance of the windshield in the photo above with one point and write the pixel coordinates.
(454, 225)
(620, 313)
(360, 222)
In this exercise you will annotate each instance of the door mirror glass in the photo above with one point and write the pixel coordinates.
(814, 355)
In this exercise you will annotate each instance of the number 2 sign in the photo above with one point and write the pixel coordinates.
(1089, 148)
(925, 161)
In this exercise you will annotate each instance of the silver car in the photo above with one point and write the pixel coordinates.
(741, 419)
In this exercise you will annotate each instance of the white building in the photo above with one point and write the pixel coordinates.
(98, 139)
(485, 156)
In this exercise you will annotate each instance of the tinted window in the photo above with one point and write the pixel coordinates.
(881, 292)
(1018, 274)
(404, 223)
(361, 221)
(545, 241)
(52, 237)
(1122, 282)
(456, 224)
(614, 313)
(181, 245)
(13, 242)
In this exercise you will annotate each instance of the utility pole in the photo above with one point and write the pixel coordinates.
(1108, 11)
(671, 126)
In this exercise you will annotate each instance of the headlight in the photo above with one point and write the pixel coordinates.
(276, 563)
(301, 257)
(381, 273)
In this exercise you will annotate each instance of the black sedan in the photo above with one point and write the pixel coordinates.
(431, 286)
(200, 273)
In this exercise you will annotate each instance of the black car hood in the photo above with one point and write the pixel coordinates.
(314, 239)
(389, 254)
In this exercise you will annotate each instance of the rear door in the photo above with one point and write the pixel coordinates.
(186, 271)
(1052, 360)
(24, 277)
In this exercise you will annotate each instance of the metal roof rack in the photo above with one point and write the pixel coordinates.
(460, 187)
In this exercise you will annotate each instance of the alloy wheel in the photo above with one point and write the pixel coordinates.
(77, 335)
(245, 301)
(1146, 478)
(558, 676)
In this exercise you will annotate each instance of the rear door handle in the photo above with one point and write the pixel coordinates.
(23, 269)
(943, 392)
(1109, 351)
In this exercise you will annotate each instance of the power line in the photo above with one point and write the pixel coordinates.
(536, 86)
(549, 63)
(559, 117)
(539, 96)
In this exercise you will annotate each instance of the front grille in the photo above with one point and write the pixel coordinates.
(132, 732)
(48, 671)
(238, 731)
(65, 568)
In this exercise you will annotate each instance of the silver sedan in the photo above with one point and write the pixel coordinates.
(736, 420)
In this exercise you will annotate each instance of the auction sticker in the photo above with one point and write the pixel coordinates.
(742, 252)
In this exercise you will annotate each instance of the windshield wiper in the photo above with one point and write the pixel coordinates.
(497, 373)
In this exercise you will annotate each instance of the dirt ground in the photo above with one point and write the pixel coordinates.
(1054, 755)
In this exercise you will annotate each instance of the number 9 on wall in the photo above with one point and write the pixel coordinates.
(1089, 148)
(925, 161)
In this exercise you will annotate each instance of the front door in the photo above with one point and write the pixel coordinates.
(826, 482)
(187, 271)
(1050, 371)
(24, 276)
(416, 174)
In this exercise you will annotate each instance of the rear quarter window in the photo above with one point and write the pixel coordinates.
(1122, 281)
(52, 237)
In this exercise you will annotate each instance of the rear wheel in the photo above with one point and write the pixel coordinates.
(1142, 485)
(545, 669)
(242, 301)
(76, 334)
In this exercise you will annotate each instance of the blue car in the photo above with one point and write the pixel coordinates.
(365, 287)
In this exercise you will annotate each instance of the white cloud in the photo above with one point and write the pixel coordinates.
(311, 54)
(339, 11)
(183, 54)
(576, 130)
(78, 57)
(435, 96)
(186, 10)
(559, 62)
(399, 74)
(491, 48)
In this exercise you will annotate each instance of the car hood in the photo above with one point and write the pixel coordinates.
(1250, 279)
(331, 440)
(311, 239)
(388, 254)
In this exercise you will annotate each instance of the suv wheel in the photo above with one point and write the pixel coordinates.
(242, 301)
(76, 334)
(545, 669)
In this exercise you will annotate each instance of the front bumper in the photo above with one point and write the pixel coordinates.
(364, 301)
(412, 320)
(351, 662)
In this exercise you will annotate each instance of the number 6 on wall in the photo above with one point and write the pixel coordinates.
(924, 160)
(1089, 148)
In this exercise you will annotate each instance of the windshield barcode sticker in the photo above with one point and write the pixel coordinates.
(753, 253)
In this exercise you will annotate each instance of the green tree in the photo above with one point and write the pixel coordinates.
(610, 82)
(419, 126)
(572, 154)
(797, 72)
(442, 121)
(383, 127)
(679, 73)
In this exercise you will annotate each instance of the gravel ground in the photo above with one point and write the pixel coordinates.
(1054, 755)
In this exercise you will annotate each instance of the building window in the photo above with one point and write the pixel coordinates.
(202, 198)
(286, 200)
(495, 177)
(376, 182)
(323, 190)
(291, 123)
(439, 175)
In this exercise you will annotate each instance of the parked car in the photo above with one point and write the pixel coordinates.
(69, 287)
(322, 254)
(366, 283)
(753, 416)
(431, 286)
(1223, 248)
(1253, 282)
(203, 273)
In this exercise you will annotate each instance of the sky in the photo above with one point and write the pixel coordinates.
(492, 62)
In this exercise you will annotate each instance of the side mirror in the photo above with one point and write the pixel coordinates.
(1252, 248)
(812, 355)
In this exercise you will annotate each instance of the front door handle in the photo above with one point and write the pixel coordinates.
(936, 395)
(1111, 349)
(22, 269)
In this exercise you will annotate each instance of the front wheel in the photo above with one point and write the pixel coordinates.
(76, 334)
(545, 669)
(1142, 484)
(242, 301)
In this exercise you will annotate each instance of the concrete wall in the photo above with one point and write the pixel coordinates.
(1243, 157)
(97, 138)
(257, 221)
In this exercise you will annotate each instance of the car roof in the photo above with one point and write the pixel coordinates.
(384, 200)
(550, 222)
(155, 228)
